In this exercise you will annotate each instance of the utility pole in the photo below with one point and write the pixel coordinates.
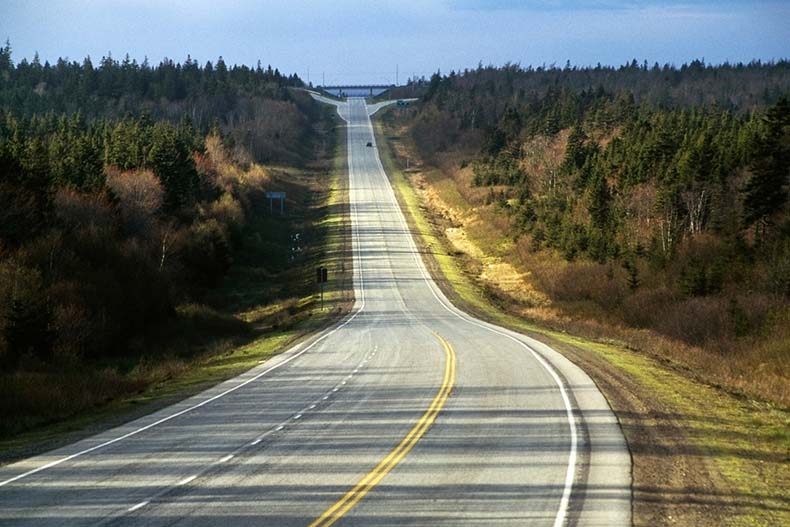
(323, 79)
(396, 74)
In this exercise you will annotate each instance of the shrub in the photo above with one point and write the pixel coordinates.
(697, 320)
(76, 210)
(645, 307)
(207, 253)
(227, 211)
(140, 197)
(25, 314)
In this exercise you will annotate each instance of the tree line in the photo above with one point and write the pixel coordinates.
(254, 106)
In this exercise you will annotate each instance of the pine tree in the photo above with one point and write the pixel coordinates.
(575, 153)
(766, 192)
(6, 65)
(600, 199)
(171, 159)
(633, 275)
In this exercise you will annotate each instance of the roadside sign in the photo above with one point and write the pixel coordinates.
(273, 196)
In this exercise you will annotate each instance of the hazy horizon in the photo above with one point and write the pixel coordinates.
(350, 41)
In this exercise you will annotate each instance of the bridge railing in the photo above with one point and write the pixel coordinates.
(358, 87)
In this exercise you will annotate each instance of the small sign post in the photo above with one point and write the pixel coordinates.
(321, 275)
(273, 196)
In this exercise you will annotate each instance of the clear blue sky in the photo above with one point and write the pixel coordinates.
(364, 40)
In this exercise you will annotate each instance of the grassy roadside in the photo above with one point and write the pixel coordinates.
(702, 456)
(256, 314)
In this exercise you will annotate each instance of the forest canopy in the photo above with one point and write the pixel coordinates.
(124, 190)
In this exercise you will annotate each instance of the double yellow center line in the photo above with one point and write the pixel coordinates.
(352, 497)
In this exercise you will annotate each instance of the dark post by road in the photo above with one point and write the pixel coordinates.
(322, 276)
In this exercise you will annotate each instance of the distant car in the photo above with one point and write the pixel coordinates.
(369, 144)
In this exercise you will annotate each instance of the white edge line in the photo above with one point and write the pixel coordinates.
(360, 280)
(185, 481)
(571, 470)
(138, 506)
(226, 458)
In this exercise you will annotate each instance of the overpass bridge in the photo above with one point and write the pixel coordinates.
(357, 89)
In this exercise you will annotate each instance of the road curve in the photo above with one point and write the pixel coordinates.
(407, 412)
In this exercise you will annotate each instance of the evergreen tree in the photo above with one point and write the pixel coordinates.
(171, 159)
(766, 192)
(575, 153)
(600, 201)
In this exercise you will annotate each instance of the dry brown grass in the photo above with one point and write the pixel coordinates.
(697, 333)
(43, 397)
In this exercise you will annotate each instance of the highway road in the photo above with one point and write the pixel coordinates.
(407, 412)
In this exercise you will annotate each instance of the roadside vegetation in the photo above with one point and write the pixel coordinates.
(139, 258)
(698, 378)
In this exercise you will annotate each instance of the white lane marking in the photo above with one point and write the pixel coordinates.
(357, 279)
(344, 382)
(297, 416)
(562, 512)
(325, 397)
(279, 428)
(226, 458)
(187, 480)
(311, 407)
(255, 442)
(138, 506)
(335, 389)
